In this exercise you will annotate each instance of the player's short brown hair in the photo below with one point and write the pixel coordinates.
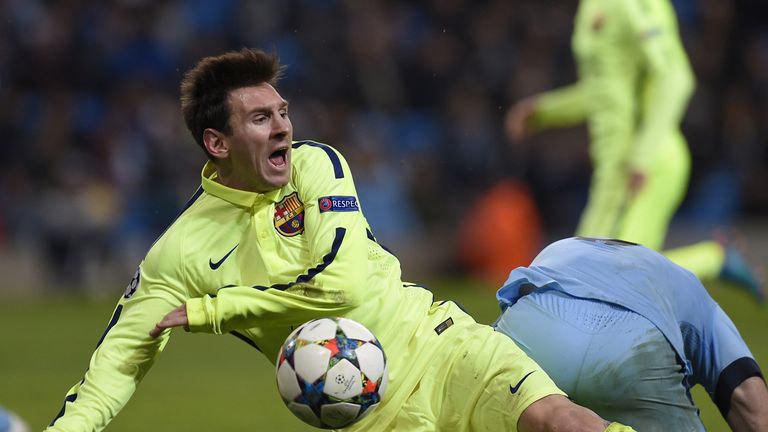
(205, 88)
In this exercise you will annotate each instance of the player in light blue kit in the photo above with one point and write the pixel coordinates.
(626, 332)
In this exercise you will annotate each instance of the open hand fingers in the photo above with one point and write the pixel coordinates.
(175, 318)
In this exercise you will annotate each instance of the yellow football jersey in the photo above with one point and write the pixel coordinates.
(259, 265)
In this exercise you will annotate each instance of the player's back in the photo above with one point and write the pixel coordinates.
(609, 35)
(621, 273)
(614, 44)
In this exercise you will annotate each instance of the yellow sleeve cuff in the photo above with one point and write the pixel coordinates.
(201, 314)
(618, 427)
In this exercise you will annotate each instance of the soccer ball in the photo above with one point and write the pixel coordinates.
(331, 372)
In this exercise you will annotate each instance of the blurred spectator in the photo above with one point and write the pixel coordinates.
(502, 232)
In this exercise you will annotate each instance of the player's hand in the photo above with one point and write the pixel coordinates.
(637, 179)
(175, 318)
(517, 122)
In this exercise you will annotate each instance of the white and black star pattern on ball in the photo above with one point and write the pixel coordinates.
(331, 372)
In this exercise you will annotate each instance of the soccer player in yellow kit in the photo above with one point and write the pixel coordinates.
(274, 237)
(634, 85)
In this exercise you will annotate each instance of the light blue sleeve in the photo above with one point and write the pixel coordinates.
(711, 345)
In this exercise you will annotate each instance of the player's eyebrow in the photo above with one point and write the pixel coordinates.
(267, 108)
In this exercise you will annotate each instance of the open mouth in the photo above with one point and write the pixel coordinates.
(279, 158)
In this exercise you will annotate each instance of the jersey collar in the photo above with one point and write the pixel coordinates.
(235, 196)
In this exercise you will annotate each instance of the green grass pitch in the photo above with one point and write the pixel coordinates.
(204, 382)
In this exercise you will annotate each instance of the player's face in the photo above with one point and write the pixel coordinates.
(260, 142)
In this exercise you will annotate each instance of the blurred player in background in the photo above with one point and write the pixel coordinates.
(634, 84)
(275, 237)
(627, 333)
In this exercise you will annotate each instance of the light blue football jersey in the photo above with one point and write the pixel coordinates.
(647, 283)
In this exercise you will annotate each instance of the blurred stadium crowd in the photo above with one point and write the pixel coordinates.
(97, 161)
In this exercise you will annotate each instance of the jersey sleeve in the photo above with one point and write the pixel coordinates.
(669, 80)
(126, 351)
(720, 358)
(335, 275)
(564, 106)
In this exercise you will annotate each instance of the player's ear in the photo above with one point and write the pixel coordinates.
(215, 143)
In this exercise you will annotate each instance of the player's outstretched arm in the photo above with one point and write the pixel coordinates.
(517, 122)
(557, 413)
(749, 406)
(561, 107)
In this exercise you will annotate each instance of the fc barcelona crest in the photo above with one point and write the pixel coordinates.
(289, 215)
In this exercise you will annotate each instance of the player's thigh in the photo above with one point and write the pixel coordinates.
(607, 198)
(648, 214)
(490, 382)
